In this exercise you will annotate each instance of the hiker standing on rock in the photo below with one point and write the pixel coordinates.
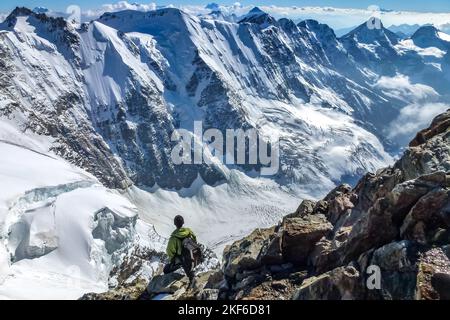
(183, 250)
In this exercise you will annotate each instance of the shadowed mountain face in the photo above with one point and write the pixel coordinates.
(112, 92)
(429, 36)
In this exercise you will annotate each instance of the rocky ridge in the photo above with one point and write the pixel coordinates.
(396, 220)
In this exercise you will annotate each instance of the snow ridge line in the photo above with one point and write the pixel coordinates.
(27, 148)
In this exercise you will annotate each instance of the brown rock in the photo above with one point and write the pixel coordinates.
(439, 125)
(305, 208)
(428, 214)
(131, 291)
(433, 262)
(299, 236)
(244, 254)
(167, 283)
(271, 251)
(342, 283)
(339, 206)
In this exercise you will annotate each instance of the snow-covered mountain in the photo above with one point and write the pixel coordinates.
(404, 30)
(100, 103)
(429, 36)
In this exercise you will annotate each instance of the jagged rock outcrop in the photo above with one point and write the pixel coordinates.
(131, 291)
(299, 235)
(396, 221)
(338, 284)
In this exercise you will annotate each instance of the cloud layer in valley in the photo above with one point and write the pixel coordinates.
(423, 107)
(414, 118)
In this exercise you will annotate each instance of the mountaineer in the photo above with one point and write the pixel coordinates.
(183, 250)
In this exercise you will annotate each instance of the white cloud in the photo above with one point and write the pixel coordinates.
(423, 106)
(119, 6)
(401, 87)
(414, 118)
(124, 5)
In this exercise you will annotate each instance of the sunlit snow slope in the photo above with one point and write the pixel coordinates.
(55, 244)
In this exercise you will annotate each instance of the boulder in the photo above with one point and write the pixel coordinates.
(321, 207)
(339, 190)
(375, 186)
(324, 256)
(270, 290)
(305, 208)
(430, 151)
(439, 125)
(433, 277)
(430, 213)
(405, 195)
(387, 213)
(167, 283)
(271, 251)
(398, 266)
(300, 235)
(131, 291)
(244, 254)
(342, 283)
(365, 233)
(441, 284)
(205, 286)
(339, 206)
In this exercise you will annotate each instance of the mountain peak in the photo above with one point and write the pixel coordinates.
(257, 16)
(40, 10)
(371, 32)
(17, 12)
(429, 36)
(425, 31)
(287, 24)
(322, 31)
(213, 7)
(38, 17)
(128, 20)
(256, 10)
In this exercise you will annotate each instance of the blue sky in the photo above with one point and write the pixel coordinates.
(413, 5)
